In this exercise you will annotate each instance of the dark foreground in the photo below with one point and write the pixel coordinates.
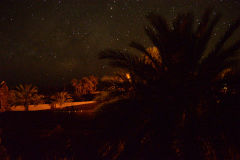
(50, 135)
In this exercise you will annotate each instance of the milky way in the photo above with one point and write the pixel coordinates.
(52, 41)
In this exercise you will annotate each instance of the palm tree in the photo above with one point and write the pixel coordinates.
(25, 95)
(87, 85)
(180, 85)
(61, 98)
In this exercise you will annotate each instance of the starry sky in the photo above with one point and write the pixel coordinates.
(49, 42)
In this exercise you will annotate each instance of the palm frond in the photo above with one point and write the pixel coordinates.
(216, 59)
(143, 50)
(204, 22)
(204, 39)
(233, 48)
(159, 23)
(154, 37)
(183, 24)
(128, 62)
(227, 35)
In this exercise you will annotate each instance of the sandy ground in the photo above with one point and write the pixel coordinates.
(40, 107)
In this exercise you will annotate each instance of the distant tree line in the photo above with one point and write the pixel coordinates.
(28, 94)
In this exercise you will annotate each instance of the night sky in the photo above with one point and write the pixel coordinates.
(49, 42)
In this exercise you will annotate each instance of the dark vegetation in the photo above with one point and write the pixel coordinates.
(84, 89)
(50, 135)
(179, 102)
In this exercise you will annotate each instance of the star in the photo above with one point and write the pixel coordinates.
(56, 31)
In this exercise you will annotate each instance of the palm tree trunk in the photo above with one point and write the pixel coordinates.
(26, 107)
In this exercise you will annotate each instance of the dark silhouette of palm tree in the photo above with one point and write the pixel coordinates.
(176, 97)
(60, 98)
(25, 95)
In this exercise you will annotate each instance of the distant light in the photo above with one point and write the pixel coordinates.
(128, 76)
